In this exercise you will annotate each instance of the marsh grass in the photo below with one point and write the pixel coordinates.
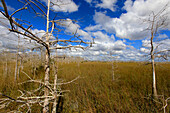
(95, 91)
(129, 92)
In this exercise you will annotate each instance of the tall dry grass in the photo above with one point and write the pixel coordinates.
(129, 92)
(95, 91)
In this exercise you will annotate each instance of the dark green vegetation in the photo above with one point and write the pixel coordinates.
(95, 91)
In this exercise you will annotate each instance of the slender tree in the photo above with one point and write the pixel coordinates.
(16, 65)
(157, 22)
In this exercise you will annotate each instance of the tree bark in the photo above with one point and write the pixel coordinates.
(55, 85)
(42, 58)
(16, 66)
(154, 91)
(46, 81)
(47, 65)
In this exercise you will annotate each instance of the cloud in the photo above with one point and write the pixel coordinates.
(63, 5)
(9, 40)
(8, 7)
(119, 45)
(104, 4)
(107, 50)
(124, 27)
(107, 4)
(73, 27)
(88, 1)
(106, 44)
(146, 43)
(162, 36)
(162, 45)
(101, 37)
(125, 54)
(101, 18)
(159, 46)
(4, 21)
(130, 25)
(144, 50)
(93, 28)
(6, 40)
(144, 7)
(132, 55)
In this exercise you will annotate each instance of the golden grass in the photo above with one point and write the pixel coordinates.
(95, 91)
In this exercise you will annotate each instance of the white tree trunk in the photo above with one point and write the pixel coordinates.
(16, 66)
(55, 86)
(154, 91)
(55, 83)
(47, 66)
(46, 81)
(42, 58)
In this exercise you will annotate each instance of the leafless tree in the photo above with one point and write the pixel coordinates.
(39, 8)
(18, 57)
(16, 65)
(157, 22)
(114, 66)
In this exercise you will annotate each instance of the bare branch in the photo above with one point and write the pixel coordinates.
(65, 47)
(17, 11)
(75, 41)
(6, 13)
(161, 51)
(166, 104)
(69, 81)
(38, 7)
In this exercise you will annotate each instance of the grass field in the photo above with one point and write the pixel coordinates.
(95, 91)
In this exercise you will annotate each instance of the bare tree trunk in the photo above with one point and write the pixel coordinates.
(55, 98)
(47, 66)
(42, 59)
(46, 81)
(19, 70)
(16, 66)
(20, 66)
(55, 85)
(32, 63)
(154, 91)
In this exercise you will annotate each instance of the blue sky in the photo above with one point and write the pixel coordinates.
(116, 25)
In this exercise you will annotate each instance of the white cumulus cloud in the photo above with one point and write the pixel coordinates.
(107, 4)
(88, 1)
(63, 5)
(130, 25)
(73, 27)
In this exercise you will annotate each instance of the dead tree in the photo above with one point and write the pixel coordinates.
(157, 22)
(49, 92)
(113, 60)
(18, 55)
